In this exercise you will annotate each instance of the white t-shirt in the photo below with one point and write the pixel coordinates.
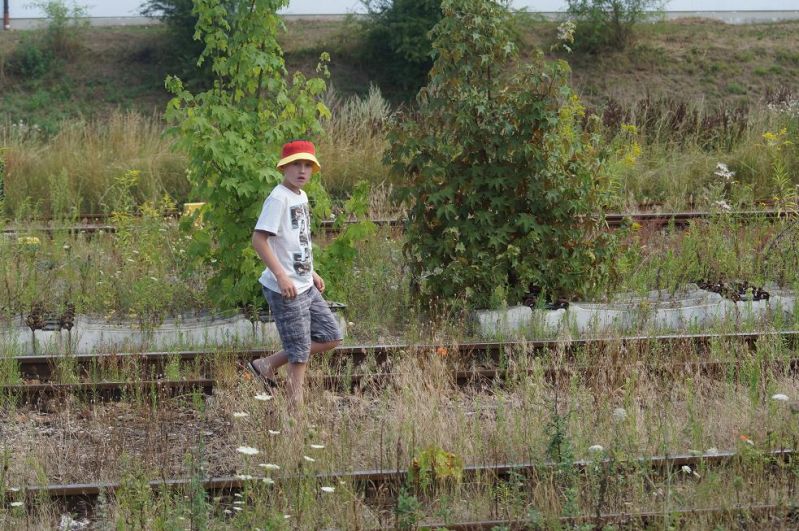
(286, 215)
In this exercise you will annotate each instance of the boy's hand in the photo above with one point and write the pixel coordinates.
(318, 282)
(286, 286)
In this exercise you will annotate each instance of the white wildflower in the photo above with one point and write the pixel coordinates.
(243, 477)
(240, 414)
(328, 489)
(723, 205)
(317, 446)
(269, 466)
(596, 448)
(780, 397)
(273, 432)
(16, 504)
(309, 459)
(263, 397)
(724, 172)
(268, 481)
(247, 450)
(619, 414)
(237, 508)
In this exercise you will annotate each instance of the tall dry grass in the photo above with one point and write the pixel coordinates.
(72, 172)
(677, 164)
(352, 147)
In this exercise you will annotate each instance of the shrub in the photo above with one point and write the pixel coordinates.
(181, 19)
(397, 44)
(607, 24)
(37, 51)
(30, 58)
(64, 24)
(502, 180)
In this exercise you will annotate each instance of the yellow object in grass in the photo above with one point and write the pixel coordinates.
(28, 240)
(189, 209)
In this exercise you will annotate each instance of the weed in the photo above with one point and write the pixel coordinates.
(408, 510)
(30, 59)
(736, 88)
(134, 497)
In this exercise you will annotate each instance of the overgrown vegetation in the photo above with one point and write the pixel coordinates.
(504, 183)
(608, 24)
(463, 149)
(181, 19)
(396, 45)
(40, 52)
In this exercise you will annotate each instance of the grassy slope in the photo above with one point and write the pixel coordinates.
(694, 59)
(115, 68)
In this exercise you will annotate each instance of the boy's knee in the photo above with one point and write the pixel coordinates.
(330, 345)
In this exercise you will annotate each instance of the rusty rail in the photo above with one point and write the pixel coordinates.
(657, 219)
(42, 366)
(381, 483)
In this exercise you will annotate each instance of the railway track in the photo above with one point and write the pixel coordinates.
(42, 367)
(38, 392)
(381, 486)
(786, 516)
(347, 378)
(98, 223)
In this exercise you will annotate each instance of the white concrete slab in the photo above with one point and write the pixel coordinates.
(94, 335)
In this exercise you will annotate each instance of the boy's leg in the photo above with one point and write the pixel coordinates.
(268, 366)
(325, 333)
(296, 381)
(293, 323)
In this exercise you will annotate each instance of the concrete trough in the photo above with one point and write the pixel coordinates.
(688, 308)
(93, 335)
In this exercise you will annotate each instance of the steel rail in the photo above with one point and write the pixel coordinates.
(36, 392)
(643, 519)
(42, 366)
(377, 482)
(347, 383)
(659, 219)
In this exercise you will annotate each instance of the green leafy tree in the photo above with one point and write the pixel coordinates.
(181, 19)
(233, 133)
(397, 45)
(504, 184)
(608, 24)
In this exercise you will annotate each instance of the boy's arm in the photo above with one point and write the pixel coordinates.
(318, 282)
(260, 241)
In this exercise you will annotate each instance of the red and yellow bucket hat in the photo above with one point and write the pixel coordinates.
(299, 150)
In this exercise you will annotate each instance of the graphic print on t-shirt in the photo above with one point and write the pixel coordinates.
(300, 220)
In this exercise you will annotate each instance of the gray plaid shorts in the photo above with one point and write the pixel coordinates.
(300, 320)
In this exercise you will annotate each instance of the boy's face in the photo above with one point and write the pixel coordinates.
(297, 174)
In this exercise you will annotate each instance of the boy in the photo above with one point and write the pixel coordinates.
(282, 238)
